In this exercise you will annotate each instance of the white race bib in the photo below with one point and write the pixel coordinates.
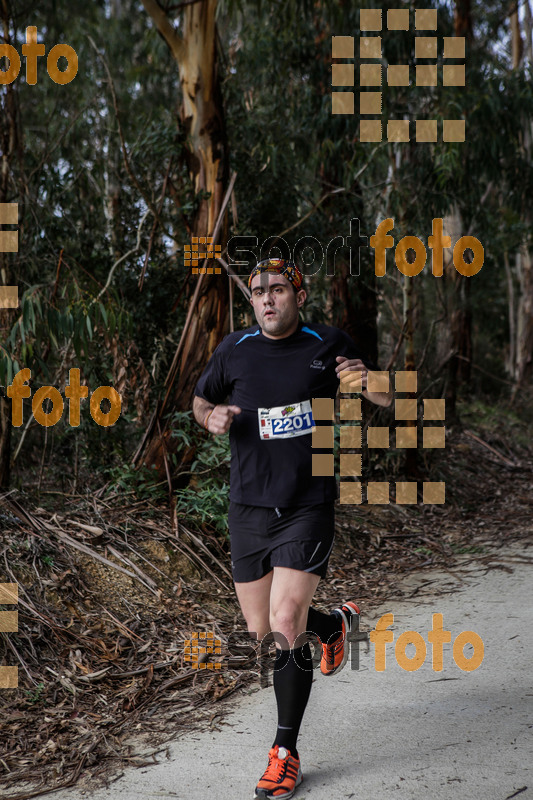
(284, 422)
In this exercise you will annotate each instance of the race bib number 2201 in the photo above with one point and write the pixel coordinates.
(284, 422)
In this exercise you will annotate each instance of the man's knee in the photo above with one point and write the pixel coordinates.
(288, 619)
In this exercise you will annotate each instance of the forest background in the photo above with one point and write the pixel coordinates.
(202, 119)
(205, 118)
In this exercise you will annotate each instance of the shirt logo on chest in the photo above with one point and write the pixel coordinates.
(317, 364)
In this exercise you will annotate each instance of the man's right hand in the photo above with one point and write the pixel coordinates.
(220, 418)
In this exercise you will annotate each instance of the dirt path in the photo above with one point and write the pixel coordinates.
(398, 734)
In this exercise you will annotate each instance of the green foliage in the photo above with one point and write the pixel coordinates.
(142, 482)
(209, 504)
(97, 152)
(468, 549)
(84, 230)
(206, 497)
(34, 696)
(74, 324)
(184, 429)
(499, 421)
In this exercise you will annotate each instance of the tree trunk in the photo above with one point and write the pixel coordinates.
(524, 329)
(202, 118)
(113, 162)
(459, 366)
(351, 302)
(517, 45)
(10, 146)
(411, 453)
(456, 347)
(463, 19)
(528, 29)
(510, 359)
(459, 322)
(523, 367)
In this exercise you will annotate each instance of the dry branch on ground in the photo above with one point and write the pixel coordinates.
(108, 595)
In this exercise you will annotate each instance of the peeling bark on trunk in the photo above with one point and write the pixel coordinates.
(517, 44)
(202, 118)
(455, 349)
(510, 359)
(458, 357)
(463, 18)
(523, 348)
(524, 332)
(411, 453)
(112, 171)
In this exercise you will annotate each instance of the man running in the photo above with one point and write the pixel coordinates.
(281, 517)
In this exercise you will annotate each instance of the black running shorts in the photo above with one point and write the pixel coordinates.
(299, 537)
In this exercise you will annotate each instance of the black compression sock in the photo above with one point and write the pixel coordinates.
(293, 676)
(324, 625)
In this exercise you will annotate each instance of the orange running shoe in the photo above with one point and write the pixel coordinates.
(335, 653)
(281, 777)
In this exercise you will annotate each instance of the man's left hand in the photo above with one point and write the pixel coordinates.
(352, 365)
(359, 382)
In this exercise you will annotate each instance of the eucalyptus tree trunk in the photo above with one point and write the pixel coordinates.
(523, 348)
(408, 297)
(409, 309)
(523, 367)
(454, 349)
(459, 365)
(351, 302)
(517, 45)
(463, 18)
(112, 169)
(457, 287)
(201, 115)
